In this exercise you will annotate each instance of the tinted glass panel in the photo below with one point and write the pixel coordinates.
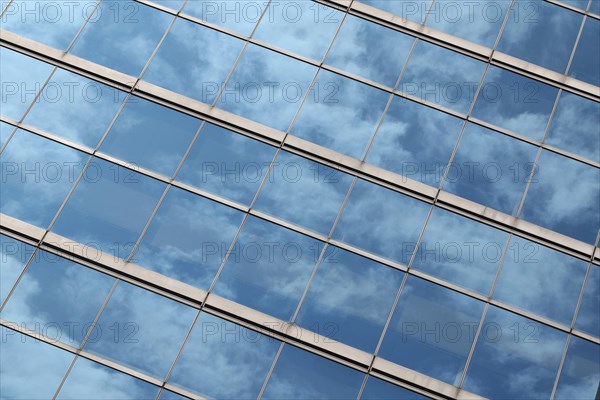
(13, 256)
(588, 317)
(580, 372)
(585, 65)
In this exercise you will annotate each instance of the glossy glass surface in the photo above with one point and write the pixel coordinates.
(370, 50)
(432, 330)
(13, 257)
(378, 389)
(409, 9)
(188, 238)
(319, 379)
(382, 221)
(585, 64)
(491, 169)
(580, 372)
(5, 131)
(340, 114)
(349, 299)
(150, 136)
(588, 317)
(518, 351)
(141, 330)
(224, 360)
(237, 15)
(304, 192)
(564, 197)
(227, 164)
(268, 268)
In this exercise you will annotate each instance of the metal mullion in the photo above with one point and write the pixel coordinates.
(82, 27)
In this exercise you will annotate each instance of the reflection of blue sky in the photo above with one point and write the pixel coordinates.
(540, 280)
(588, 316)
(460, 250)
(580, 372)
(173, 4)
(36, 168)
(432, 330)
(304, 192)
(268, 268)
(515, 358)
(122, 35)
(564, 197)
(415, 141)
(378, 389)
(541, 33)
(167, 395)
(586, 65)
(513, 102)
(14, 254)
(141, 329)
(595, 7)
(304, 27)
(414, 10)
(370, 50)
(318, 378)
(150, 136)
(382, 221)
(227, 164)
(48, 298)
(340, 114)
(442, 76)
(224, 360)
(238, 15)
(490, 168)
(5, 131)
(349, 299)
(188, 238)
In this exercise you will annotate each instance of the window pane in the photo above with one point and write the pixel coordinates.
(513, 102)
(580, 373)
(414, 10)
(35, 168)
(57, 298)
(90, 380)
(5, 131)
(318, 378)
(461, 251)
(188, 238)
(122, 35)
(442, 76)
(432, 330)
(564, 197)
(75, 108)
(491, 169)
(575, 126)
(172, 4)
(22, 78)
(227, 164)
(267, 87)
(382, 221)
(541, 33)
(585, 65)
(30, 369)
(268, 268)
(194, 60)
(304, 192)
(340, 114)
(239, 16)
(595, 7)
(515, 358)
(478, 22)
(224, 360)
(541, 280)
(415, 141)
(378, 389)
(349, 299)
(150, 136)
(13, 256)
(141, 330)
(304, 27)
(109, 208)
(370, 50)
(588, 316)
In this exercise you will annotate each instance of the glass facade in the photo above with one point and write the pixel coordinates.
(291, 199)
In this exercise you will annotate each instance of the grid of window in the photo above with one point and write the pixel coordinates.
(410, 193)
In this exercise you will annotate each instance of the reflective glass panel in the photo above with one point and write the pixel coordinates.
(370, 50)
(150, 136)
(304, 192)
(318, 378)
(588, 316)
(268, 268)
(340, 114)
(13, 257)
(188, 238)
(227, 164)
(414, 10)
(349, 299)
(5, 131)
(585, 65)
(432, 330)
(224, 360)
(415, 141)
(172, 4)
(595, 7)
(378, 389)
(167, 395)
(460, 250)
(141, 330)
(238, 15)
(122, 35)
(382, 221)
(580, 372)
(514, 358)
(491, 169)
(564, 197)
